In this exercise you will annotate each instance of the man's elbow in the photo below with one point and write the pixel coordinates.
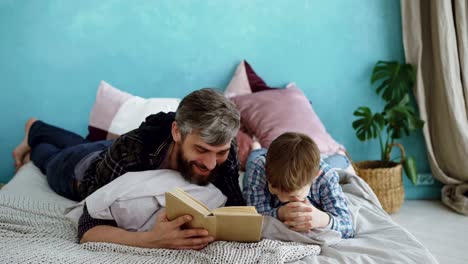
(85, 237)
(93, 234)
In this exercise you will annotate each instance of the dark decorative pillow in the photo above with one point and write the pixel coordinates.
(245, 81)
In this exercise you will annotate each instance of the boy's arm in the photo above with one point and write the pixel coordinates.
(256, 191)
(334, 203)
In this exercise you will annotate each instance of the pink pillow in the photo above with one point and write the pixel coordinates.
(108, 102)
(116, 112)
(273, 112)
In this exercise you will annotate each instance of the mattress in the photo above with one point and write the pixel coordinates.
(378, 238)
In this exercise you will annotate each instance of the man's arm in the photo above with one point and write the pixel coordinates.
(129, 152)
(124, 153)
(112, 234)
(165, 234)
(227, 179)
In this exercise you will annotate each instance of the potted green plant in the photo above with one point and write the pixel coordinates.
(393, 81)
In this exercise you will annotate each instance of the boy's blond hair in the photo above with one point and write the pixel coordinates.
(292, 162)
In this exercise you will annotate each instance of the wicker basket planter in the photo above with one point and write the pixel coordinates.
(385, 179)
(386, 182)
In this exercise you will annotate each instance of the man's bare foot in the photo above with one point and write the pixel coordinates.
(255, 144)
(27, 158)
(23, 149)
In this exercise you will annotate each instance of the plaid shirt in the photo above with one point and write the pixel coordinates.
(325, 194)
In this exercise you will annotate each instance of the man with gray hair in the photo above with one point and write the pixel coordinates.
(197, 140)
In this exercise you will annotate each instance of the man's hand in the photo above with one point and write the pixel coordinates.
(168, 234)
(165, 234)
(302, 216)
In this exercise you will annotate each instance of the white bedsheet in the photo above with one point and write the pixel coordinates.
(378, 239)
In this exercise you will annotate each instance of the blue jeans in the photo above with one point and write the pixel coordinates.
(337, 161)
(56, 152)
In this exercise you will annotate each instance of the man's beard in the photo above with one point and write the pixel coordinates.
(185, 168)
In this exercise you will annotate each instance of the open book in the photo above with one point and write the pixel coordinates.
(232, 223)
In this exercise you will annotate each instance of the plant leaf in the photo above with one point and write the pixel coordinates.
(368, 125)
(397, 79)
(401, 118)
(410, 169)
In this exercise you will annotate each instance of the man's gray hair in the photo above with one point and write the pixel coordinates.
(210, 114)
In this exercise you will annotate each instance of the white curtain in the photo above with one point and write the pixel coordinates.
(435, 38)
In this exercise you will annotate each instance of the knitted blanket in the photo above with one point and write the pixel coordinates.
(36, 231)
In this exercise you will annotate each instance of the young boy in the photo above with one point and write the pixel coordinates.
(291, 182)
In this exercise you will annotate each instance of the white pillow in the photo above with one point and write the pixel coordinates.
(134, 198)
(136, 109)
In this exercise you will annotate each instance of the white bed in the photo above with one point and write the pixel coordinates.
(29, 199)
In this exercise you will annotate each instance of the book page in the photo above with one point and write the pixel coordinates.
(178, 204)
(188, 200)
(235, 210)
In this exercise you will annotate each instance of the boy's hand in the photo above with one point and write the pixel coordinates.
(302, 216)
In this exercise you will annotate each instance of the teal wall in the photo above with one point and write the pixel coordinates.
(54, 53)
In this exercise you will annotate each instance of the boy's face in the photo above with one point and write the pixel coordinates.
(294, 196)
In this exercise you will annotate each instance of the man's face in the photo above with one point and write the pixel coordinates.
(197, 161)
(294, 196)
